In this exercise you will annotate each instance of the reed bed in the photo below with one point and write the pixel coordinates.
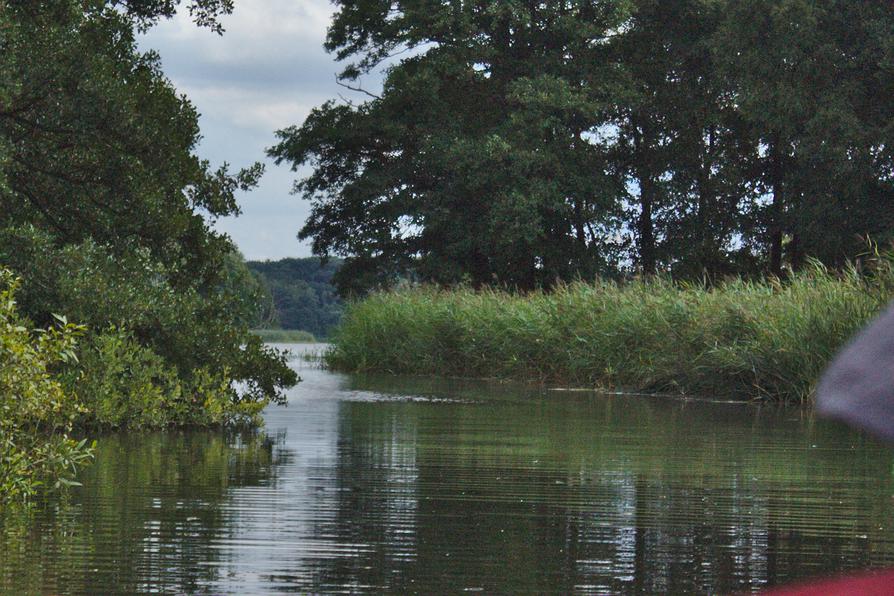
(285, 336)
(745, 339)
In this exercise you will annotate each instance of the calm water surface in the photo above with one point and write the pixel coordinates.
(403, 485)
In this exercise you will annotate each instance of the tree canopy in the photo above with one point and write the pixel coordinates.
(519, 143)
(105, 208)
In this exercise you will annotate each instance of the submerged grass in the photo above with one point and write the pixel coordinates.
(765, 340)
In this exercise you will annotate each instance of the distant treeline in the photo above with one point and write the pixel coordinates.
(300, 295)
(522, 143)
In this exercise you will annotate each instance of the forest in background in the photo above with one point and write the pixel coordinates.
(298, 295)
(517, 143)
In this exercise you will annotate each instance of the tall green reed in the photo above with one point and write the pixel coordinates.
(745, 339)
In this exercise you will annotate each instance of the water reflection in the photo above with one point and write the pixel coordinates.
(409, 485)
(544, 493)
(146, 518)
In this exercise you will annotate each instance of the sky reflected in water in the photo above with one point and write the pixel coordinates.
(433, 486)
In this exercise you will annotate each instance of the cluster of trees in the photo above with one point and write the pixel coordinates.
(298, 295)
(105, 215)
(519, 143)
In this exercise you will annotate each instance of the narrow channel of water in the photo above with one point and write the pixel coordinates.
(433, 486)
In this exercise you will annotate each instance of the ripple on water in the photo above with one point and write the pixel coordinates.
(420, 485)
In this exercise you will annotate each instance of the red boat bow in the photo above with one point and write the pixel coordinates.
(870, 583)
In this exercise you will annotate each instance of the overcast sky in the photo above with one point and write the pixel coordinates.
(265, 73)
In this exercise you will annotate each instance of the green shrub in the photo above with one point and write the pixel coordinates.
(55, 381)
(36, 414)
(122, 383)
(189, 326)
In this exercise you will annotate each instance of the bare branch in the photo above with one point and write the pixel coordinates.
(357, 89)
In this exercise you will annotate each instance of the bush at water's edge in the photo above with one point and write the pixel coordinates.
(59, 382)
(36, 414)
(767, 340)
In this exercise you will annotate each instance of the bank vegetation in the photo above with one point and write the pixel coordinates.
(765, 340)
(121, 307)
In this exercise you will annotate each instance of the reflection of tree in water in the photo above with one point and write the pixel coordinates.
(504, 491)
(623, 495)
(148, 517)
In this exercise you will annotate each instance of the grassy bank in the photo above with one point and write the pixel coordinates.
(285, 336)
(767, 340)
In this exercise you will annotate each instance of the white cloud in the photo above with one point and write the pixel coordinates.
(252, 109)
(266, 72)
(254, 28)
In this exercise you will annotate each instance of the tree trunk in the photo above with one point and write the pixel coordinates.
(796, 252)
(776, 207)
(647, 189)
(704, 238)
(646, 227)
(579, 225)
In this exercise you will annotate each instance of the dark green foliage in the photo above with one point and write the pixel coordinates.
(808, 78)
(120, 383)
(680, 150)
(102, 209)
(522, 143)
(472, 164)
(106, 214)
(191, 328)
(145, 13)
(302, 294)
(100, 144)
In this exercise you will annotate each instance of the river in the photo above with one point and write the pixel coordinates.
(372, 484)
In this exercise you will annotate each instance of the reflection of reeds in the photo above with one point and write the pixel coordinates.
(313, 355)
(767, 340)
(285, 336)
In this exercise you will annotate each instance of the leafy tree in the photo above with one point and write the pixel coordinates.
(809, 78)
(100, 145)
(105, 209)
(517, 143)
(474, 164)
(680, 148)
